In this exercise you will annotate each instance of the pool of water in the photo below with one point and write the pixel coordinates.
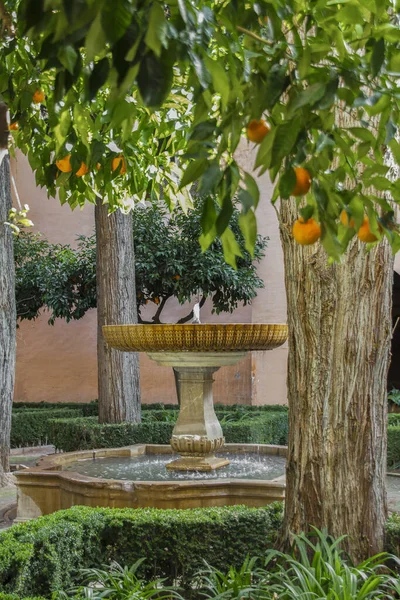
(151, 467)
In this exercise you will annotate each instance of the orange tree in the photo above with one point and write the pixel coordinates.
(323, 76)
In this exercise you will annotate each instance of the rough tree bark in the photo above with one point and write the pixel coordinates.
(339, 319)
(7, 306)
(118, 378)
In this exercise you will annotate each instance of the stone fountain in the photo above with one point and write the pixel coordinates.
(196, 352)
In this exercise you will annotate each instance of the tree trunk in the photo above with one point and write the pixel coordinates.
(118, 379)
(339, 320)
(7, 320)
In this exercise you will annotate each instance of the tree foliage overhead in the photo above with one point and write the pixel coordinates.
(174, 84)
(169, 263)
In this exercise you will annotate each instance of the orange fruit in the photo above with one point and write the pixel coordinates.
(365, 234)
(257, 130)
(156, 300)
(13, 126)
(64, 164)
(98, 166)
(38, 96)
(303, 182)
(306, 232)
(344, 218)
(116, 162)
(83, 169)
(263, 20)
(176, 277)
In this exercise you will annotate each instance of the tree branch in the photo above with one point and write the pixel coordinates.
(190, 315)
(254, 36)
(156, 318)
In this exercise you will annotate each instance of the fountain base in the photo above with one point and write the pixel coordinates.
(197, 463)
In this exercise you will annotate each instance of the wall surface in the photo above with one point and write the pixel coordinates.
(58, 363)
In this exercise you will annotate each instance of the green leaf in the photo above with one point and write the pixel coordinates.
(98, 77)
(395, 149)
(230, 247)
(210, 179)
(309, 96)
(209, 216)
(116, 18)
(248, 226)
(252, 188)
(156, 35)
(277, 82)
(377, 57)
(155, 79)
(284, 141)
(362, 133)
(220, 79)
(95, 39)
(68, 56)
(287, 183)
(194, 171)
(204, 130)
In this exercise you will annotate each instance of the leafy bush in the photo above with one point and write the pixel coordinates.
(123, 583)
(87, 433)
(47, 554)
(320, 570)
(316, 571)
(31, 427)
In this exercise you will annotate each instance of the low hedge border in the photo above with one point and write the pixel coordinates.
(31, 427)
(393, 446)
(88, 409)
(86, 433)
(45, 555)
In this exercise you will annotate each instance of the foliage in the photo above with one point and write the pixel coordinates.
(168, 259)
(393, 445)
(55, 276)
(237, 583)
(31, 428)
(315, 570)
(394, 396)
(46, 554)
(87, 408)
(183, 80)
(320, 570)
(122, 583)
(86, 433)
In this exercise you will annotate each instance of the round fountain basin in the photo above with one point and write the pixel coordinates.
(152, 467)
(136, 477)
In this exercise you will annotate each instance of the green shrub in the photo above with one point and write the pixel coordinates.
(393, 419)
(30, 428)
(88, 409)
(16, 597)
(47, 554)
(393, 446)
(269, 428)
(87, 433)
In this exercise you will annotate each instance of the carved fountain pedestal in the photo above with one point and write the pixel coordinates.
(196, 352)
(197, 434)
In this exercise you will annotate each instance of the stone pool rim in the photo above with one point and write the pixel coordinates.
(46, 488)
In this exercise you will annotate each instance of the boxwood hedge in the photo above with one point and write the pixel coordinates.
(87, 433)
(31, 427)
(47, 554)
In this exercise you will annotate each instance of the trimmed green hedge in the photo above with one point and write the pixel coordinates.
(31, 427)
(16, 597)
(87, 433)
(88, 409)
(46, 554)
(393, 446)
